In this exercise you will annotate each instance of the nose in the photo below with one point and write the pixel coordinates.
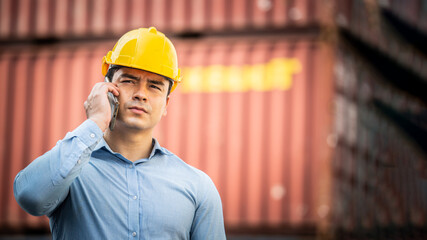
(140, 94)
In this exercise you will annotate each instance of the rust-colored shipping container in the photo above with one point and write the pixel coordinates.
(253, 113)
(65, 19)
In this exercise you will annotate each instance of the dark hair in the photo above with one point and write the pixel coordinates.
(114, 68)
(111, 71)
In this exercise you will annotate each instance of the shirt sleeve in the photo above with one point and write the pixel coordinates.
(44, 184)
(208, 221)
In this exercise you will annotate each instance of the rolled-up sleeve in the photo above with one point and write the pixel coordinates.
(44, 183)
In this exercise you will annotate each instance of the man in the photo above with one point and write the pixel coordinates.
(99, 183)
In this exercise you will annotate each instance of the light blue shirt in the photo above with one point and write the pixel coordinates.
(90, 192)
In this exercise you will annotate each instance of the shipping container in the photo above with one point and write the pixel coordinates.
(253, 113)
(31, 19)
(414, 12)
(379, 166)
(387, 26)
(357, 13)
(379, 169)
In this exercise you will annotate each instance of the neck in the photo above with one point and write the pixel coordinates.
(133, 145)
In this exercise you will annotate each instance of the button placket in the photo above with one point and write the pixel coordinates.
(132, 183)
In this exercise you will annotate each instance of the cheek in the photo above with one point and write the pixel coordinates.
(122, 101)
(161, 107)
(123, 96)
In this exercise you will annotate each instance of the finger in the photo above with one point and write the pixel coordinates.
(114, 90)
(117, 90)
(111, 88)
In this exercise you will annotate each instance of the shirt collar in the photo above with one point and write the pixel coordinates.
(156, 147)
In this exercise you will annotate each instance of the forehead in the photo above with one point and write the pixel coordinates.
(139, 73)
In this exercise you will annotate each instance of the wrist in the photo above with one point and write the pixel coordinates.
(102, 124)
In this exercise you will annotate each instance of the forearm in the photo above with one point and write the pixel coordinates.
(45, 183)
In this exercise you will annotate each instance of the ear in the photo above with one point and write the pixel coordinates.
(165, 112)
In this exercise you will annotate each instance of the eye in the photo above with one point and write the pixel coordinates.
(155, 87)
(127, 81)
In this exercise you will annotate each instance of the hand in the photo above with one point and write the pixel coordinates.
(97, 105)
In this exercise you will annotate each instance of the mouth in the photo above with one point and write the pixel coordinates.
(138, 109)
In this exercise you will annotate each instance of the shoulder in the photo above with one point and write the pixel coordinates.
(200, 179)
(178, 164)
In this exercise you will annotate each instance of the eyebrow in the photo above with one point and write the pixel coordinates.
(152, 81)
(127, 75)
(156, 82)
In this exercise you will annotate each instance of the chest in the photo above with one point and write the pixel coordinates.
(143, 199)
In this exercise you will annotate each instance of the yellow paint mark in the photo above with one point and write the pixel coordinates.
(276, 74)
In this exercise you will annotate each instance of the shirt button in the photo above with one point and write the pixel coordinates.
(79, 161)
(130, 166)
(134, 234)
(135, 197)
(92, 135)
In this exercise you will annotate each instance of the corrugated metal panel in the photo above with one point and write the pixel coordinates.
(390, 26)
(379, 179)
(414, 12)
(262, 148)
(379, 170)
(222, 132)
(22, 19)
(259, 147)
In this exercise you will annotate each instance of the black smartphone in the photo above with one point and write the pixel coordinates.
(114, 104)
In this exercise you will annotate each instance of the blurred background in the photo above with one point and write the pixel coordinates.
(309, 115)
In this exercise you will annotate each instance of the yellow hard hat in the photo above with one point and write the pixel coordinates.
(146, 49)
